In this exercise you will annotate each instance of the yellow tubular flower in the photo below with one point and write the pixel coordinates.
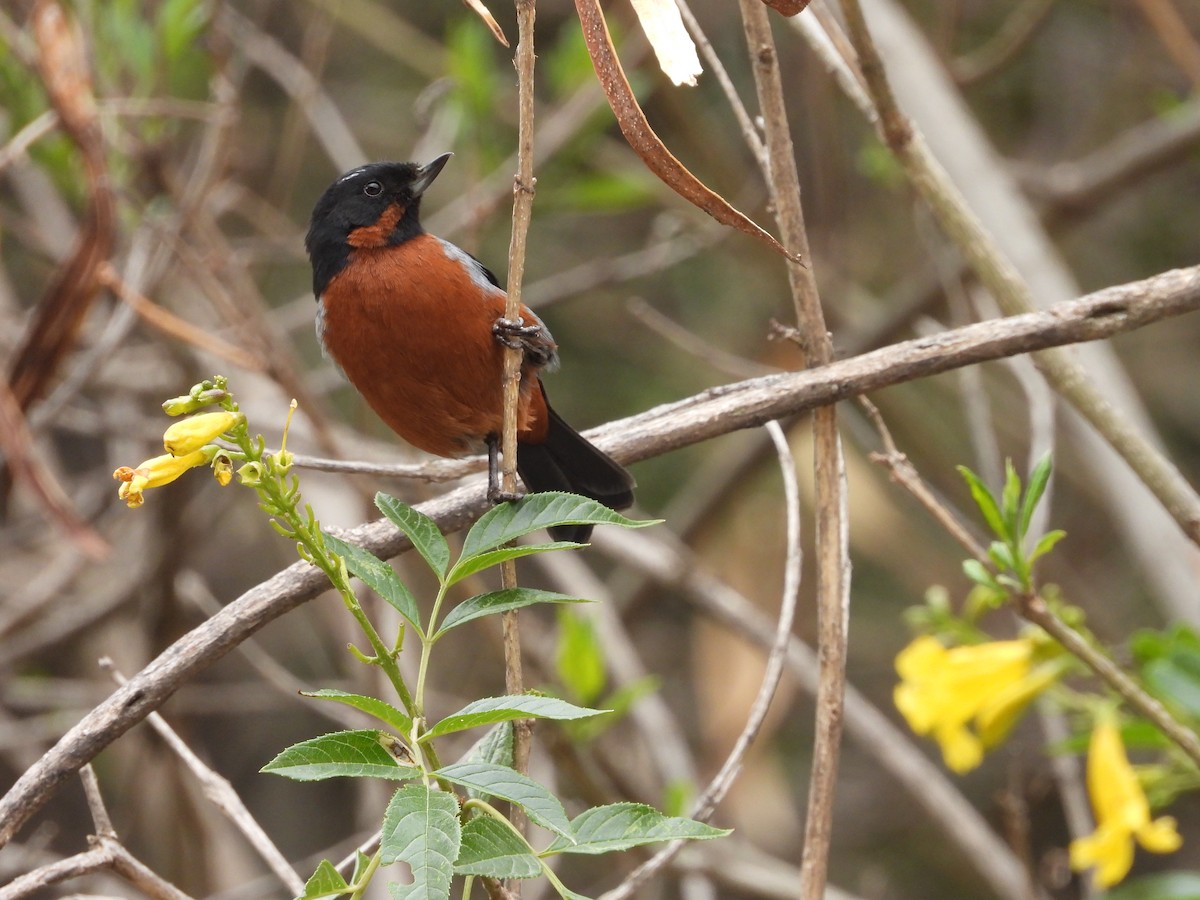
(942, 690)
(190, 434)
(156, 472)
(1121, 809)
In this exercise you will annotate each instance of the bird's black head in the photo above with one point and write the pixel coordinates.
(376, 205)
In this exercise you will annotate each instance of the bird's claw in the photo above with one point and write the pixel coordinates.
(514, 333)
(497, 495)
(532, 340)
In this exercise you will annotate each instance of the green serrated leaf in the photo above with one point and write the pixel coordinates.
(491, 849)
(490, 710)
(361, 863)
(986, 502)
(496, 746)
(326, 882)
(1045, 544)
(469, 565)
(542, 807)
(420, 529)
(379, 577)
(421, 828)
(500, 601)
(1038, 479)
(353, 754)
(509, 521)
(384, 712)
(619, 826)
(579, 660)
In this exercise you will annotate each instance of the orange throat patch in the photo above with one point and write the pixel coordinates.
(377, 235)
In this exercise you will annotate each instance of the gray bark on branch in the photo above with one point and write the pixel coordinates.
(744, 404)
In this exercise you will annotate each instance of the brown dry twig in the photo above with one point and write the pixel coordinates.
(829, 467)
(720, 784)
(25, 467)
(221, 793)
(172, 325)
(62, 63)
(523, 191)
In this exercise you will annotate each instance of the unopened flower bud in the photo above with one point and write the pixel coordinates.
(190, 434)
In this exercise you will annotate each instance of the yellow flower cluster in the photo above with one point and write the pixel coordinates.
(968, 698)
(1121, 809)
(187, 443)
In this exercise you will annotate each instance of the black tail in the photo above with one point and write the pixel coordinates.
(566, 461)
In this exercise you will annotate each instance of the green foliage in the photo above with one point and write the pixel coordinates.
(490, 710)
(426, 825)
(325, 882)
(353, 754)
(421, 828)
(1169, 664)
(579, 661)
(1009, 519)
(475, 70)
(620, 826)
(437, 831)
(582, 671)
(491, 848)
(500, 601)
(1161, 886)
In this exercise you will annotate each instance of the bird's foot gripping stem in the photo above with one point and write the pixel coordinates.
(532, 340)
(495, 492)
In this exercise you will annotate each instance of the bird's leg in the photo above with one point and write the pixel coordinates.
(495, 493)
(532, 340)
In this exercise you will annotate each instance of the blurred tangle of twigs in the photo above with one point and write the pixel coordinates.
(158, 162)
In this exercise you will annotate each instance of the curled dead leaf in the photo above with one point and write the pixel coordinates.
(641, 137)
(787, 8)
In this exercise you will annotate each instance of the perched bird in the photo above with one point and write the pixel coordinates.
(417, 325)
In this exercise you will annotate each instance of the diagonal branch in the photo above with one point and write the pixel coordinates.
(710, 414)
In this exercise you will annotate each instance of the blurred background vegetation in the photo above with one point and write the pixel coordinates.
(221, 124)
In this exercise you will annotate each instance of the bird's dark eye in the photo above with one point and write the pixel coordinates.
(372, 188)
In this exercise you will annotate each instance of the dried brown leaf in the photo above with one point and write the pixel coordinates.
(787, 8)
(641, 137)
(63, 66)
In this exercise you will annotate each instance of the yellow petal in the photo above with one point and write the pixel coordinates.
(190, 434)
(961, 750)
(1160, 836)
(1116, 794)
(920, 658)
(1108, 850)
(1000, 713)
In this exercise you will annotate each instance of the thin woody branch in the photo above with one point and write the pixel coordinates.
(712, 413)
